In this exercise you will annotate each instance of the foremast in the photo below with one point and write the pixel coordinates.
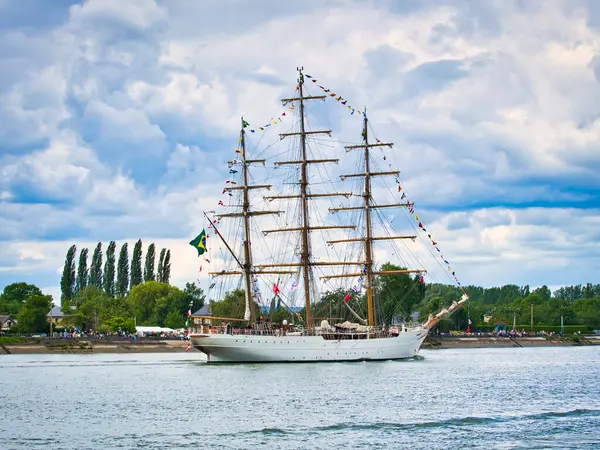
(246, 210)
(246, 266)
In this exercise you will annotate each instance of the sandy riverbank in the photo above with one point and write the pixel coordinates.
(433, 342)
(94, 347)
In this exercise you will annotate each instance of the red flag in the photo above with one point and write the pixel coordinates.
(421, 279)
(224, 190)
(434, 243)
(420, 225)
(347, 298)
(283, 114)
(275, 289)
(399, 188)
(221, 203)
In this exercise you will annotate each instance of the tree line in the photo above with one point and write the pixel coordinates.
(76, 277)
(148, 303)
(397, 297)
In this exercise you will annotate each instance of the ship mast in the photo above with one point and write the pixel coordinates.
(369, 205)
(246, 209)
(305, 195)
(368, 241)
(247, 269)
(303, 192)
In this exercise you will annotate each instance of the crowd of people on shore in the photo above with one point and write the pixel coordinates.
(76, 333)
(508, 334)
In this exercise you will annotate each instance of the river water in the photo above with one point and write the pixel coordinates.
(462, 398)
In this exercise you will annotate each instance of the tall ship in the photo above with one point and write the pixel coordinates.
(304, 262)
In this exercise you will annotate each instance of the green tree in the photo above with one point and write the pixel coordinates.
(233, 305)
(108, 276)
(96, 267)
(332, 304)
(396, 295)
(174, 320)
(195, 295)
(543, 292)
(149, 266)
(67, 281)
(15, 294)
(167, 267)
(118, 323)
(123, 272)
(82, 270)
(159, 271)
(92, 308)
(587, 312)
(152, 301)
(136, 264)
(33, 317)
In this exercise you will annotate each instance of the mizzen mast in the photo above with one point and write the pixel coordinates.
(368, 239)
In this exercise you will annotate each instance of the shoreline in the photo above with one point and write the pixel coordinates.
(173, 346)
(436, 342)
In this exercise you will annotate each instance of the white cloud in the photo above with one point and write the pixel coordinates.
(138, 14)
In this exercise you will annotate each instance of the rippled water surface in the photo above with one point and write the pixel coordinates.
(467, 398)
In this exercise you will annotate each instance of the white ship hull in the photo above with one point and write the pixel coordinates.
(262, 349)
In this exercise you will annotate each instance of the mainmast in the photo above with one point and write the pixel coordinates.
(304, 196)
(304, 199)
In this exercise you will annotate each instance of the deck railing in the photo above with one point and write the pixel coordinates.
(269, 330)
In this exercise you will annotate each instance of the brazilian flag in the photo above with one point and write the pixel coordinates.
(199, 243)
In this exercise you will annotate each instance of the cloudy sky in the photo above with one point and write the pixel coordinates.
(117, 119)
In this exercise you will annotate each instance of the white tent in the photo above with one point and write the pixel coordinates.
(143, 330)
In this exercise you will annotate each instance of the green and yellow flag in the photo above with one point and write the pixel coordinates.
(199, 243)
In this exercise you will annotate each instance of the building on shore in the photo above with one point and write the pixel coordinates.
(6, 322)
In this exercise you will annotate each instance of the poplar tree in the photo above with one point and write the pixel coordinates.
(82, 270)
(96, 267)
(109, 269)
(67, 281)
(167, 267)
(149, 266)
(136, 264)
(159, 272)
(123, 272)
